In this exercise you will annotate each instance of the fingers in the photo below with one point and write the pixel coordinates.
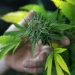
(33, 65)
(36, 65)
(38, 61)
(22, 22)
(30, 15)
(34, 70)
(65, 41)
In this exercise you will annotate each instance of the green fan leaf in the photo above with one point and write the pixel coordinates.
(7, 44)
(31, 7)
(6, 50)
(53, 16)
(67, 9)
(59, 50)
(48, 64)
(58, 69)
(35, 7)
(16, 46)
(61, 63)
(62, 26)
(71, 2)
(6, 39)
(4, 45)
(19, 26)
(56, 37)
(13, 33)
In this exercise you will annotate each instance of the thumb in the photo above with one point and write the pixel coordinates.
(65, 41)
(22, 22)
(30, 15)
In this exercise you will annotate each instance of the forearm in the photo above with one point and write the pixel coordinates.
(3, 66)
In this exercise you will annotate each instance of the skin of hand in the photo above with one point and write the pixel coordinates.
(22, 60)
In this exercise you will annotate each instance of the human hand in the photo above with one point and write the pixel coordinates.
(22, 60)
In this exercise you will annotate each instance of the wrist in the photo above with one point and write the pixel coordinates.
(3, 66)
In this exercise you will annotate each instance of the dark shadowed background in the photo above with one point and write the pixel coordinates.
(13, 5)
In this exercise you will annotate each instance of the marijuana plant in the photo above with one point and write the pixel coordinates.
(48, 29)
(39, 27)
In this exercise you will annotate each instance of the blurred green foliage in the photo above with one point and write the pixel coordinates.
(69, 56)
